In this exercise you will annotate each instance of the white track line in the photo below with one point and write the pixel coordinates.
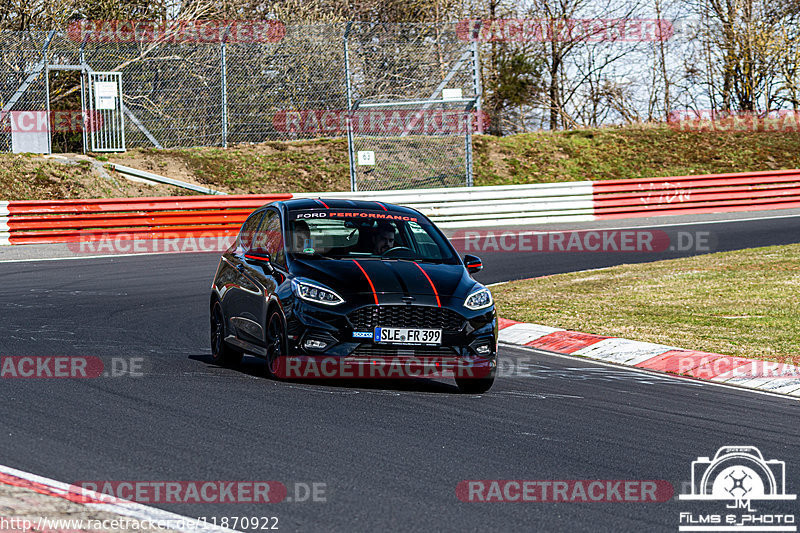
(130, 509)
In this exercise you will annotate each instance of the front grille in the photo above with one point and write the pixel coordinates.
(371, 350)
(405, 316)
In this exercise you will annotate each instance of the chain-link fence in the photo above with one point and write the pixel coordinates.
(404, 95)
(412, 90)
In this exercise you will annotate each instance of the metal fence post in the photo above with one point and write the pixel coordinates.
(476, 83)
(84, 95)
(349, 121)
(468, 146)
(47, 95)
(224, 89)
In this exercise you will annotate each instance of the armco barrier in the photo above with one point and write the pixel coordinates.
(28, 222)
(748, 191)
(75, 220)
(465, 207)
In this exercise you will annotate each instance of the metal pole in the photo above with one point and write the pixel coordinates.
(84, 115)
(121, 114)
(46, 59)
(224, 70)
(468, 146)
(84, 95)
(350, 147)
(47, 96)
(476, 83)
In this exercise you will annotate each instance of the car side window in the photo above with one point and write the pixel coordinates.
(427, 246)
(269, 238)
(249, 229)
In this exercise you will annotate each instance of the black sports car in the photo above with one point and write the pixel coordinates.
(346, 288)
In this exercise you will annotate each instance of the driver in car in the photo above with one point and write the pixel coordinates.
(383, 238)
(302, 234)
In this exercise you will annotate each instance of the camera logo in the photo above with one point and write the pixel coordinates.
(738, 473)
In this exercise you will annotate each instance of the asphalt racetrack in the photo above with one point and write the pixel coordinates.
(389, 453)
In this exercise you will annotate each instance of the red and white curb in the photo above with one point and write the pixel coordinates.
(100, 502)
(750, 373)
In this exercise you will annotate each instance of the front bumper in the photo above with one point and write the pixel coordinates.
(323, 335)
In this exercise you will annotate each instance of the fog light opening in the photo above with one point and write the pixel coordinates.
(314, 344)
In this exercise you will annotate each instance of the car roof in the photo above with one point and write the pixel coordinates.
(343, 203)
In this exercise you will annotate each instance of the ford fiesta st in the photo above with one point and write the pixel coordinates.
(345, 288)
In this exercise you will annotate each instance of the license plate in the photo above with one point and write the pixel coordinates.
(408, 336)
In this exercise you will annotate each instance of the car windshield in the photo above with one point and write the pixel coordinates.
(364, 234)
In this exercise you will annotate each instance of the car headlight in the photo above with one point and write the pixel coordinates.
(479, 299)
(315, 293)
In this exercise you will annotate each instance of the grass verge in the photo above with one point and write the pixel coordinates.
(744, 303)
(30, 177)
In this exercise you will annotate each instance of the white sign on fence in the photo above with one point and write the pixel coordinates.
(366, 157)
(105, 95)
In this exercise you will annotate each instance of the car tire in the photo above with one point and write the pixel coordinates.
(277, 347)
(476, 385)
(221, 353)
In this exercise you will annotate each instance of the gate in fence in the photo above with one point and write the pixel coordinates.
(103, 118)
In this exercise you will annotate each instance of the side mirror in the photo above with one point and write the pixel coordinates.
(261, 259)
(473, 263)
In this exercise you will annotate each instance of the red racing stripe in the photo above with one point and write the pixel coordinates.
(438, 303)
(383, 206)
(371, 286)
(323, 203)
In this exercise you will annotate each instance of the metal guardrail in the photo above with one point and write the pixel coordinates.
(28, 222)
(746, 191)
(149, 177)
(73, 220)
(488, 206)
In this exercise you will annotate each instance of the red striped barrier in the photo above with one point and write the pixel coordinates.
(748, 191)
(28, 222)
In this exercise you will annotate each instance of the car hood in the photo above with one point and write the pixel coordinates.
(391, 279)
